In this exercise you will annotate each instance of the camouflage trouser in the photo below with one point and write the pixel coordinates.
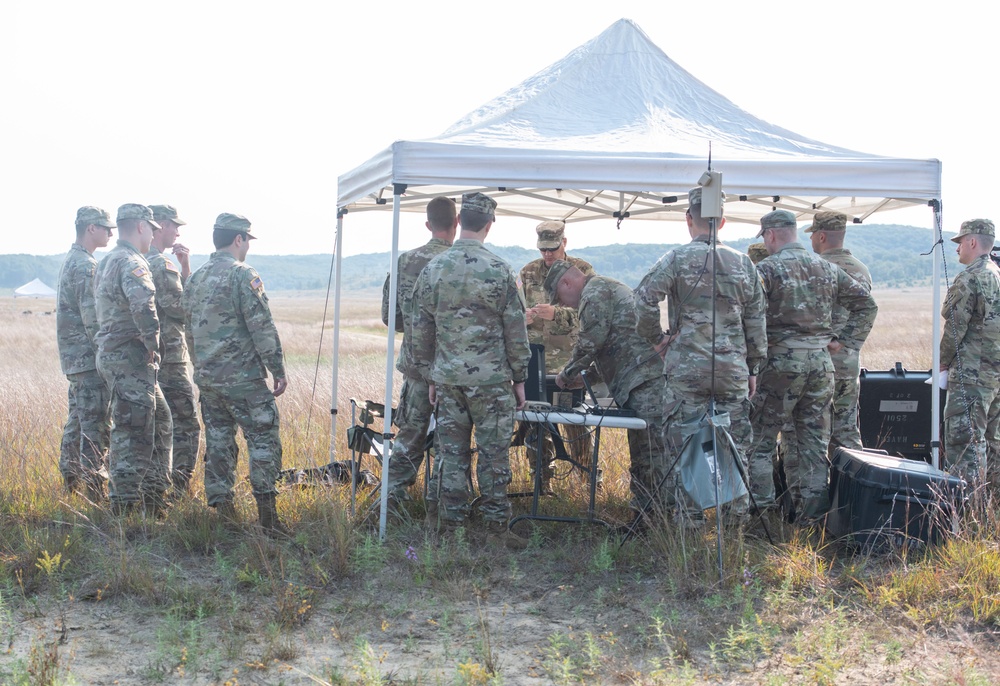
(249, 406)
(645, 446)
(141, 435)
(844, 429)
(178, 389)
(491, 410)
(796, 387)
(681, 407)
(413, 417)
(971, 449)
(83, 453)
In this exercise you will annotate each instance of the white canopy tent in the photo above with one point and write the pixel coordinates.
(617, 130)
(36, 288)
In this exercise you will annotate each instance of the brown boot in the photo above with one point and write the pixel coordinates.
(267, 513)
(499, 533)
(227, 511)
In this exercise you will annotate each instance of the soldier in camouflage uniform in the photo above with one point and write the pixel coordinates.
(683, 277)
(83, 453)
(469, 344)
(630, 366)
(970, 352)
(234, 345)
(555, 327)
(796, 385)
(413, 415)
(175, 379)
(128, 358)
(757, 252)
(827, 235)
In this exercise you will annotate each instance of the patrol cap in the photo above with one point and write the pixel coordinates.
(134, 210)
(828, 221)
(479, 202)
(980, 227)
(694, 196)
(233, 222)
(552, 279)
(757, 252)
(168, 212)
(550, 234)
(89, 214)
(778, 219)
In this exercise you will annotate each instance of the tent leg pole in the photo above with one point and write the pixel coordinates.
(937, 254)
(389, 363)
(338, 242)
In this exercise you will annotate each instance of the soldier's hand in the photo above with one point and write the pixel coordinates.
(752, 385)
(432, 394)
(544, 311)
(280, 384)
(519, 398)
(560, 381)
(529, 315)
(834, 346)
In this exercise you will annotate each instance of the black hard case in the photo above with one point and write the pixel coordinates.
(876, 498)
(894, 409)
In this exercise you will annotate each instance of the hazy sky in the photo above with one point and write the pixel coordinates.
(257, 108)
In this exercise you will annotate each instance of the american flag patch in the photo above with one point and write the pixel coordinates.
(170, 266)
(139, 272)
(256, 284)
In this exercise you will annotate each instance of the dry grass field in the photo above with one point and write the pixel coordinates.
(88, 598)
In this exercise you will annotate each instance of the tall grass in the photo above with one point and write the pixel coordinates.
(653, 609)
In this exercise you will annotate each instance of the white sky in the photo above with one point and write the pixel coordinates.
(257, 107)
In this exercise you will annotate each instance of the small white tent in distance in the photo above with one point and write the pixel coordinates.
(617, 130)
(36, 288)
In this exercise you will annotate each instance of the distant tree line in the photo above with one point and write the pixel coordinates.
(892, 252)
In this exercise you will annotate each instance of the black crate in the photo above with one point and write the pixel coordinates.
(876, 499)
(894, 410)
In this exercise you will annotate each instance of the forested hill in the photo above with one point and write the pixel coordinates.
(893, 253)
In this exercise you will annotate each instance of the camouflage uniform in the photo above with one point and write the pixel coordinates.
(413, 414)
(631, 368)
(469, 339)
(684, 278)
(558, 335)
(844, 429)
(970, 349)
(83, 453)
(174, 377)
(235, 344)
(129, 334)
(796, 385)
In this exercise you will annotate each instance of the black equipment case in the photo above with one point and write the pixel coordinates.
(876, 498)
(894, 410)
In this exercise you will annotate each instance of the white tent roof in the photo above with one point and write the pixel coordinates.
(615, 126)
(35, 288)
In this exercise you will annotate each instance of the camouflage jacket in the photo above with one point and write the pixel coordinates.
(169, 307)
(609, 341)
(229, 323)
(76, 312)
(468, 320)
(558, 334)
(857, 270)
(802, 290)
(972, 325)
(408, 268)
(684, 278)
(126, 301)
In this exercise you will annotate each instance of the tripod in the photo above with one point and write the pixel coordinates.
(707, 434)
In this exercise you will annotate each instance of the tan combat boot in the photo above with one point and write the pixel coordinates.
(499, 533)
(267, 513)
